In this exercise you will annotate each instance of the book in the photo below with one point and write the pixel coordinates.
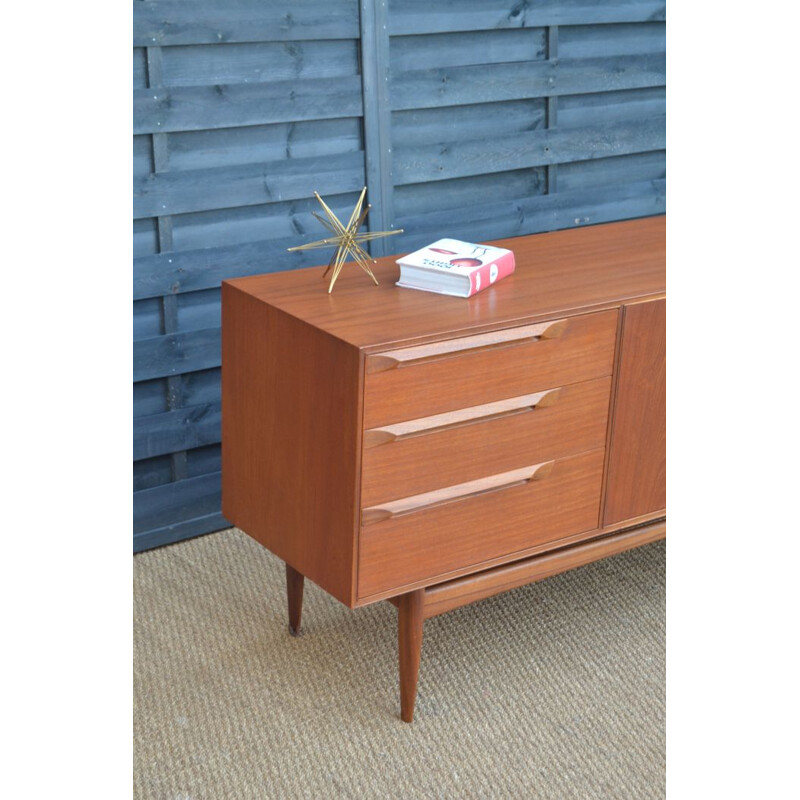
(456, 268)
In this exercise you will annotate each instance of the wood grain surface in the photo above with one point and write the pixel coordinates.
(637, 462)
(423, 545)
(573, 422)
(453, 594)
(584, 350)
(557, 274)
(410, 620)
(291, 439)
(447, 348)
(459, 492)
(463, 416)
(294, 596)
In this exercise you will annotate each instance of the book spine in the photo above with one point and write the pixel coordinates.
(485, 276)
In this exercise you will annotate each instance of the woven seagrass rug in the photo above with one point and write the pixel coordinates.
(553, 690)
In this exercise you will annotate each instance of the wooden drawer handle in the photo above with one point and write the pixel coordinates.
(461, 491)
(464, 416)
(408, 356)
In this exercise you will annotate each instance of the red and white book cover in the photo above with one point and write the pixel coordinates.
(453, 267)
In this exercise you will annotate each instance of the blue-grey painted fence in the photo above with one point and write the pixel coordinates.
(478, 119)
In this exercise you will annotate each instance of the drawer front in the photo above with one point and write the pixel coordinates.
(421, 381)
(442, 450)
(425, 537)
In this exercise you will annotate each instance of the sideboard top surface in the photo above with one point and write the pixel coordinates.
(559, 273)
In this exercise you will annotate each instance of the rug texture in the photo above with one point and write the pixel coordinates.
(554, 690)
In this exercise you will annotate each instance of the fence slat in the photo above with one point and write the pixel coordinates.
(194, 108)
(422, 16)
(418, 199)
(170, 503)
(608, 171)
(193, 270)
(253, 62)
(468, 47)
(607, 40)
(538, 148)
(176, 353)
(577, 110)
(495, 82)
(165, 193)
(177, 532)
(451, 123)
(224, 147)
(484, 222)
(167, 22)
(200, 388)
(172, 431)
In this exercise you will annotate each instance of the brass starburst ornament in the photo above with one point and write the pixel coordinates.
(346, 239)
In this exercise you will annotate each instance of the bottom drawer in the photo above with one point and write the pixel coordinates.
(429, 536)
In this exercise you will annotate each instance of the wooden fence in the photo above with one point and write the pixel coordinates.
(475, 119)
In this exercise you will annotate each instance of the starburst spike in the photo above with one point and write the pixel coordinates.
(368, 237)
(331, 216)
(330, 264)
(314, 245)
(339, 258)
(359, 259)
(357, 210)
(365, 256)
(337, 269)
(370, 273)
(354, 235)
(358, 252)
(323, 221)
(364, 263)
(333, 221)
(360, 222)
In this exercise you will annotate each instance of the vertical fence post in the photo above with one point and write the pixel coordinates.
(551, 114)
(374, 22)
(169, 303)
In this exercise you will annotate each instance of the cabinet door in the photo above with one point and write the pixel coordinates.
(637, 463)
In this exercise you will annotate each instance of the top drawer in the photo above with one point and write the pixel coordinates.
(433, 378)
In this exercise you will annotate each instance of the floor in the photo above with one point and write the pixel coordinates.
(554, 690)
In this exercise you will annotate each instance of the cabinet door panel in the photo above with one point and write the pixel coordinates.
(637, 463)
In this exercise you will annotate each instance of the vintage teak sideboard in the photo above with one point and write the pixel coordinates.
(393, 444)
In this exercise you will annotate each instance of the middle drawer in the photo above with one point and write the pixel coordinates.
(433, 452)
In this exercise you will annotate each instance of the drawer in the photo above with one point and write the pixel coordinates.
(422, 538)
(415, 382)
(421, 455)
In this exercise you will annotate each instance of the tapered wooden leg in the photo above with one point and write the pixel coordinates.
(294, 593)
(409, 636)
